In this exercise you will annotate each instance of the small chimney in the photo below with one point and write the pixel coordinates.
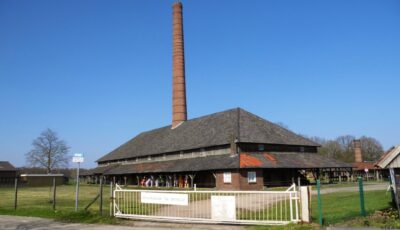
(357, 151)
(179, 111)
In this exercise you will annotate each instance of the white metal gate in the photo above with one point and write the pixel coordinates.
(233, 207)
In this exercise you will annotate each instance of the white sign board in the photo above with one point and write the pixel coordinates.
(223, 207)
(77, 158)
(164, 198)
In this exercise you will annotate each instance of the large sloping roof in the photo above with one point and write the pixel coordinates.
(297, 160)
(99, 170)
(226, 161)
(211, 130)
(281, 160)
(6, 166)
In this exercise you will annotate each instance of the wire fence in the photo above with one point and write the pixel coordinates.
(24, 197)
(338, 201)
(341, 202)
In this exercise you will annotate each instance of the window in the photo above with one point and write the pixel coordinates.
(302, 149)
(261, 147)
(149, 158)
(227, 177)
(252, 177)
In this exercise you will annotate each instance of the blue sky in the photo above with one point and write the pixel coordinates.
(99, 72)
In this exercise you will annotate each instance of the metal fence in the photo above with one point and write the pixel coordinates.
(25, 198)
(233, 207)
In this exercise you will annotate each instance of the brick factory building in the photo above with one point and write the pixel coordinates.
(366, 169)
(233, 149)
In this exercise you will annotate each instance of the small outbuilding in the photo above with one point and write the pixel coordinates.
(7, 173)
(365, 169)
(36, 180)
(391, 159)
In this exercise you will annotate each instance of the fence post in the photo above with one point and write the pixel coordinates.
(361, 189)
(77, 188)
(101, 196)
(16, 193)
(54, 193)
(320, 217)
(111, 199)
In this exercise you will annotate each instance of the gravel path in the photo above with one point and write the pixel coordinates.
(24, 223)
(202, 208)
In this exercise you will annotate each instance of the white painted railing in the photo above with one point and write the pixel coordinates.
(233, 207)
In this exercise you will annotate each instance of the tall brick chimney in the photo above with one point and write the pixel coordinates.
(179, 111)
(357, 151)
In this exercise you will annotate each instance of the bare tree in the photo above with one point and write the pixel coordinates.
(318, 140)
(371, 148)
(342, 148)
(331, 149)
(48, 152)
(345, 142)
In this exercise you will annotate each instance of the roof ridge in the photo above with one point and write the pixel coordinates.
(276, 126)
(196, 118)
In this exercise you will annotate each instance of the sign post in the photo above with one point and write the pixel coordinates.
(77, 158)
(366, 173)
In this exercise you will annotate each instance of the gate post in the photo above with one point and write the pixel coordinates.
(305, 203)
(111, 199)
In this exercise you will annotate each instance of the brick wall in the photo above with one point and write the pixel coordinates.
(219, 180)
(243, 180)
(239, 180)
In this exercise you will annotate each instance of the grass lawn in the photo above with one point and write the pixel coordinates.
(343, 206)
(37, 201)
(344, 209)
